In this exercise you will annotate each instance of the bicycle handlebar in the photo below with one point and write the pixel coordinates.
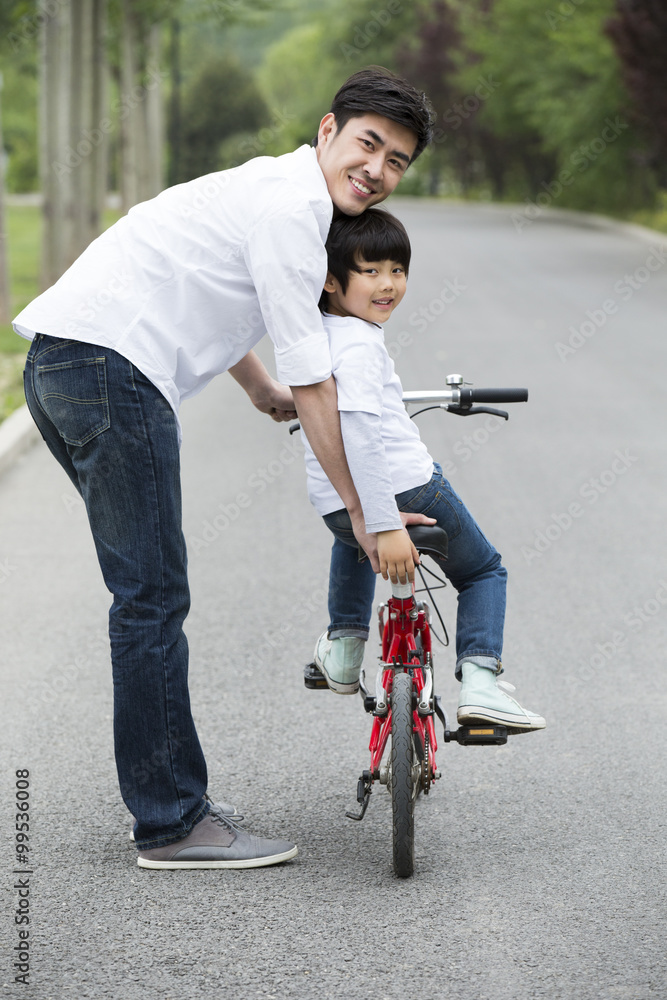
(466, 397)
(460, 400)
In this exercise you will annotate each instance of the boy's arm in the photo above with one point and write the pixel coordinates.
(317, 407)
(364, 447)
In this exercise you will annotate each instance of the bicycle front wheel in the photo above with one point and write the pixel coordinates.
(402, 775)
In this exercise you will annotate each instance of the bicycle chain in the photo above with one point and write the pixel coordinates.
(426, 766)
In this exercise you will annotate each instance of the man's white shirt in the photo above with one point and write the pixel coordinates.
(387, 450)
(187, 283)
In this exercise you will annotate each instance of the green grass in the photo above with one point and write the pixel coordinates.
(654, 218)
(24, 236)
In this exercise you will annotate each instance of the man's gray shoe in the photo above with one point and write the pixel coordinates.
(217, 842)
(218, 809)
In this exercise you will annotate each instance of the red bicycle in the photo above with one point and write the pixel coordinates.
(403, 741)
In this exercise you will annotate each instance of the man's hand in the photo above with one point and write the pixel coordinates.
(265, 393)
(276, 400)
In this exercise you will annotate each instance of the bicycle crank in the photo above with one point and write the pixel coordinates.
(364, 789)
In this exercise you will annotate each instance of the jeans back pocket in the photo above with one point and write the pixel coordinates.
(73, 394)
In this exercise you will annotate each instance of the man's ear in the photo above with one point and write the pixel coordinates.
(327, 128)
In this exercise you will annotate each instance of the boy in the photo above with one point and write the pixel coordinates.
(368, 261)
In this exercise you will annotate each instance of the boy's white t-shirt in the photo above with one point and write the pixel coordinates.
(367, 383)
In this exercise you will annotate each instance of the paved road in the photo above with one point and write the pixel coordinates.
(541, 865)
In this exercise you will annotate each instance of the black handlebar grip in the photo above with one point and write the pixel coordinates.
(469, 396)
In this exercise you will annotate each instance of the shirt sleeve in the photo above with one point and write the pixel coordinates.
(367, 461)
(358, 369)
(287, 262)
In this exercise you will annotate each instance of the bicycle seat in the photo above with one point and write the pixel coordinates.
(429, 539)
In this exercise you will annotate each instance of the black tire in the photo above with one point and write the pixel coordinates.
(402, 785)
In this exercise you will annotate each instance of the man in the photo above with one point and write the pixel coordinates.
(177, 291)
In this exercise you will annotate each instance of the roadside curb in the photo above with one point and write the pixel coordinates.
(549, 213)
(17, 433)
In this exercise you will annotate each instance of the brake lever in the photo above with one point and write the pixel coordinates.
(294, 427)
(466, 411)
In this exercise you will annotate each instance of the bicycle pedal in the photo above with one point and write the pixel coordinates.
(314, 678)
(481, 735)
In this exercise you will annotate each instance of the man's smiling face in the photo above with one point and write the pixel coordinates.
(363, 162)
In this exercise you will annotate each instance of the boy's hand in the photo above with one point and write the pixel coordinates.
(398, 556)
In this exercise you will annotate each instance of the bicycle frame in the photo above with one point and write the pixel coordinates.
(404, 705)
(406, 623)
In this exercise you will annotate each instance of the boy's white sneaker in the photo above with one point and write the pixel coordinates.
(340, 661)
(482, 698)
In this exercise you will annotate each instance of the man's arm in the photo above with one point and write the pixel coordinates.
(265, 393)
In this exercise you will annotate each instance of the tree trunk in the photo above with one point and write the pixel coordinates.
(73, 131)
(175, 104)
(56, 165)
(141, 115)
(5, 301)
(128, 146)
(153, 115)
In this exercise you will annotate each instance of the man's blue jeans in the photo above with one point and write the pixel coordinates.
(115, 435)
(473, 568)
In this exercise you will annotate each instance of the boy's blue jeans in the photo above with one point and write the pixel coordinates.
(473, 568)
(115, 435)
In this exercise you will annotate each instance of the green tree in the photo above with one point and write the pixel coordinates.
(298, 79)
(220, 104)
(559, 95)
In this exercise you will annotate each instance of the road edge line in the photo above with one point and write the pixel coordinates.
(18, 432)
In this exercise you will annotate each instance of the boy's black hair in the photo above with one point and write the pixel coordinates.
(375, 90)
(374, 235)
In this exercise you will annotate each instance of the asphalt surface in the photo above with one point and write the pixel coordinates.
(540, 866)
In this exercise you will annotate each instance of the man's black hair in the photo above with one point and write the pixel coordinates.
(375, 235)
(375, 90)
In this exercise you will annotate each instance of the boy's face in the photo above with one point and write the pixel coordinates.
(364, 161)
(372, 293)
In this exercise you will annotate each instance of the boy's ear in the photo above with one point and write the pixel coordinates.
(330, 283)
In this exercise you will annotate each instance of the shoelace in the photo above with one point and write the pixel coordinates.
(217, 810)
(506, 686)
(225, 821)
